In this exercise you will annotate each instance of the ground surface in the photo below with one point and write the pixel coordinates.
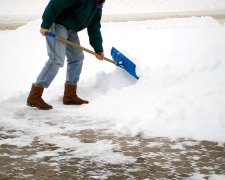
(156, 158)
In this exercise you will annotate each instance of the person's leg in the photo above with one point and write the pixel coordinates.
(56, 52)
(75, 59)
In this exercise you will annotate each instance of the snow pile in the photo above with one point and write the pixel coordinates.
(181, 91)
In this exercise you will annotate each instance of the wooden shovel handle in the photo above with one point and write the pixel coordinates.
(82, 48)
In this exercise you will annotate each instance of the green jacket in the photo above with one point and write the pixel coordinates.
(76, 15)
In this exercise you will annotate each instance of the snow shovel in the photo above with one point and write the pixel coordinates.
(119, 59)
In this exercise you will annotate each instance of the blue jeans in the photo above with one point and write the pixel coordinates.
(57, 51)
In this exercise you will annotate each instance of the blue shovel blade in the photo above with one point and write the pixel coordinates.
(123, 62)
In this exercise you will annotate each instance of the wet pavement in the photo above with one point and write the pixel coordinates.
(154, 158)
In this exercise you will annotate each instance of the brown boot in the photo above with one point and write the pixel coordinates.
(70, 95)
(35, 100)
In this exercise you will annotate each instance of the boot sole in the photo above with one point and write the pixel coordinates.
(32, 105)
(73, 103)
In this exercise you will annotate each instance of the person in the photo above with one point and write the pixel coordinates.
(66, 19)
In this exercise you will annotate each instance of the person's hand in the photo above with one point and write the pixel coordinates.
(43, 31)
(100, 56)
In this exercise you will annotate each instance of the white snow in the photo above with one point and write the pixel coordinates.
(181, 91)
(202, 177)
(21, 8)
(151, 6)
(15, 8)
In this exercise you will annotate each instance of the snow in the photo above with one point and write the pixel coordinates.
(181, 91)
(202, 177)
(23, 7)
(150, 6)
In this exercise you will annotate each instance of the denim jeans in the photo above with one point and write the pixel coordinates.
(57, 51)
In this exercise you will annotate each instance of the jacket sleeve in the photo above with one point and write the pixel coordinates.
(94, 33)
(53, 9)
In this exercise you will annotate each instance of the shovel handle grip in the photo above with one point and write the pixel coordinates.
(50, 34)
